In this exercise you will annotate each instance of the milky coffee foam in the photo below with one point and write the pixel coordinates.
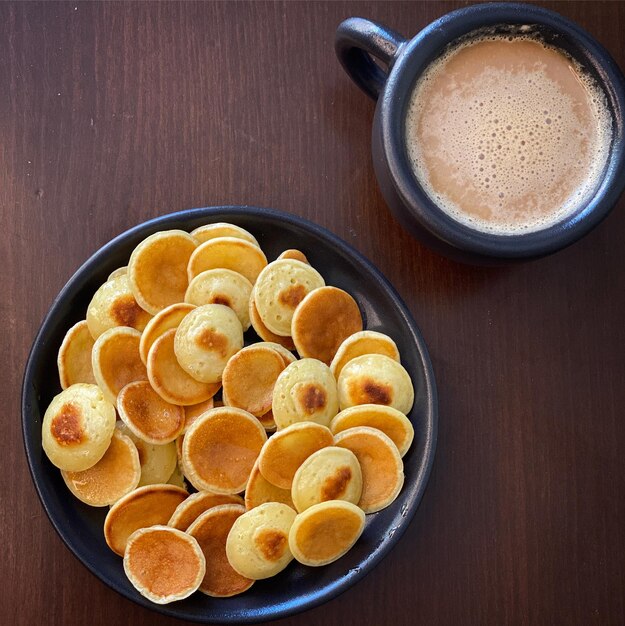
(507, 135)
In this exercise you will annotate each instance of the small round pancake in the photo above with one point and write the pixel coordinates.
(120, 271)
(169, 380)
(269, 424)
(157, 269)
(259, 490)
(149, 416)
(113, 304)
(141, 508)
(77, 427)
(205, 339)
(280, 287)
(163, 321)
(222, 229)
(258, 543)
(191, 508)
(211, 530)
(364, 342)
(220, 448)
(390, 421)
(292, 253)
(287, 356)
(375, 379)
(283, 453)
(177, 478)
(192, 412)
(74, 358)
(325, 532)
(113, 476)
(164, 564)
(221, 286)
(249, 378)
(158, 462)
(116, 362)
(329, 474)
(263, 332)
(382, 467)
(230, 253)
(322, 321)
(305, 392)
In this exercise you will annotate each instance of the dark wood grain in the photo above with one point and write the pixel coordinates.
(114, 113)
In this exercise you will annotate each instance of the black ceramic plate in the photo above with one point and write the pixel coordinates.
(298, 587)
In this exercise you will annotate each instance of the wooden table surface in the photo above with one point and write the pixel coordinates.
(112, 113)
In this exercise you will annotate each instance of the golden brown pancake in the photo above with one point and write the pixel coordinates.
(292, 253)
(287, 356)
(263, 332)
(164, 564)
(169, 380)
(170, 317)
(390, 421)
(191, 508)
(382, 467)
(375, 379)
(211, 530)
(192, 412)
(116, 362)
(259, 490)
(77, 427)
(113, 476)
(143, 507)
(249, 378)
(269, 424)
(285, 451)
(230, 253)
(149, 416)
(74, 359)
(157, 269)
(220, 448)
(258, 543)
(222, 229)
(364, 342)
(325, 532)
(322, 321)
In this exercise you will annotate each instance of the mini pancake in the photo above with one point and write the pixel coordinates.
(74, 359)
(322, 321)
(77, 427)
(157, 269)
(269, 424)
(169, 380)
(325, 532)
(263, 332)
(205, 339)
(258, 543)
(192, 412)
(191, 508)
(120, 271)
(393, 423)
(259, 490)
(114, 304)
(249, 378)
(287, 356)
(221, 286)
(292, 253)
(164, 564)
(230, 253)
(280, 287)
(305, 392)
(285, 452)
(113, 476)
(163, 321)
(220, 448)
(141, 508)
(177, 478)
(382, 467)
(149, 416)
(329, 474)
(222, 229)
(211, 531)
(158, 462)
(116, 362)
(375, 379)
(364, 342)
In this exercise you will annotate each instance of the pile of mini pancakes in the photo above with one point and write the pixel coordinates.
(139, 415)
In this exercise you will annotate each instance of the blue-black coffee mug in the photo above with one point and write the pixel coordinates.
(359, 41)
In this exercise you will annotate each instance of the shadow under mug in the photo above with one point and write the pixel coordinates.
(359, 40)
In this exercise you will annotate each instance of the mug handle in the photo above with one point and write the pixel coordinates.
(357, 40)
